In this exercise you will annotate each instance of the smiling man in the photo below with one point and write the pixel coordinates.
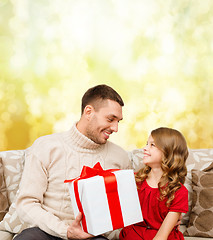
(44, 201)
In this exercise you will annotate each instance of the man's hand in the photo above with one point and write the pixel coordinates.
(75, 231)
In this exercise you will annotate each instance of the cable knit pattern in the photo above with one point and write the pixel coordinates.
(44, 199)
(80, 142)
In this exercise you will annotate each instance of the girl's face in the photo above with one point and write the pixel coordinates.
(152, 155)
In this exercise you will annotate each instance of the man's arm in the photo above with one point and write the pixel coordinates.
(30, 205)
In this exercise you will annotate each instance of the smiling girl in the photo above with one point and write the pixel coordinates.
(160, 187)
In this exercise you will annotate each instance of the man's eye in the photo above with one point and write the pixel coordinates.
(110, 120)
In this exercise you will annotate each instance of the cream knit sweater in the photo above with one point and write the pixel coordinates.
(44, 199)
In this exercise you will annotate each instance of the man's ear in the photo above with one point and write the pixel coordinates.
(88, 111)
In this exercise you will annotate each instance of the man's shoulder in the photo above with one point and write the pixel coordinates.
(53, 139)
(46, 146)
(114, 147)
(117, 157)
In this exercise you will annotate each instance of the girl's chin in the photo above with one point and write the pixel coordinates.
(145, 159)
(145, 162)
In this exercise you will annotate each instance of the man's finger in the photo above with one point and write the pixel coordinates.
(78, 217)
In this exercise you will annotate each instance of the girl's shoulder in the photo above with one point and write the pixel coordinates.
(182, 190)
(180, 202)
(141, 184)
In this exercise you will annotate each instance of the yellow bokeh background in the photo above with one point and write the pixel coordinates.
(157, 54)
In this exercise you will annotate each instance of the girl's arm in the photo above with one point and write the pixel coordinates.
(168, 224)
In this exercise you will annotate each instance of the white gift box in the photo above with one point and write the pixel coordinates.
(94, 200)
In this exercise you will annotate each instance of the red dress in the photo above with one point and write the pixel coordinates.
(154, 212)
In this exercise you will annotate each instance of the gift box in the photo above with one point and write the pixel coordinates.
(107, 199)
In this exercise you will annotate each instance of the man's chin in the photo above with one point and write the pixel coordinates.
(101, 141)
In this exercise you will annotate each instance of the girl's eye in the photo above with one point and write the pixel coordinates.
(153, 144)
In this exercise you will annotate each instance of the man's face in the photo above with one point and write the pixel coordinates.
(104, 121)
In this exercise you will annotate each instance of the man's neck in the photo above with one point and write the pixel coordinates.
(80, 126)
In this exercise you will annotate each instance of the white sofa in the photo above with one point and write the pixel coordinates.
(12, 163)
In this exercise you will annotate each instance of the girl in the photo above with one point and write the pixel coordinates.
(160, 187)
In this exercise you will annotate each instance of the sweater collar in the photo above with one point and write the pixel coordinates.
(81, 141)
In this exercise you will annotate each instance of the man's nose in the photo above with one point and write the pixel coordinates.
(114, 126)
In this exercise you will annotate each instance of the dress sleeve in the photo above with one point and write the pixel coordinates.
(180, 202)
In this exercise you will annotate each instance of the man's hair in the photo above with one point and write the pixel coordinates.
(95, 95)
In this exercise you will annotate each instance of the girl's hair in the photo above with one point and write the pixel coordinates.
(175, 152)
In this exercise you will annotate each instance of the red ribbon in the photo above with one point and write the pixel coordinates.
(111, 191)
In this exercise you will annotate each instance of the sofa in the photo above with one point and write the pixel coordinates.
(196, 224)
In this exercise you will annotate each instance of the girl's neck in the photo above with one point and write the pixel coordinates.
(154, 177)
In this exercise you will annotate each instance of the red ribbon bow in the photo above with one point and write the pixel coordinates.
(111, 191)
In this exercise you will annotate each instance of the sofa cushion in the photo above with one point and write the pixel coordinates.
(11, 221)
(198, 159)
(6, 235)
(201, 217)
(13, 163)
(4, 205)
(183, 229)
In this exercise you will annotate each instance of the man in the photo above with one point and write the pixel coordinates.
(44, 201)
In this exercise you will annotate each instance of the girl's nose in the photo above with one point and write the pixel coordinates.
(145, 148)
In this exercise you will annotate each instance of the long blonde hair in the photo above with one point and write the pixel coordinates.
(175, 152)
